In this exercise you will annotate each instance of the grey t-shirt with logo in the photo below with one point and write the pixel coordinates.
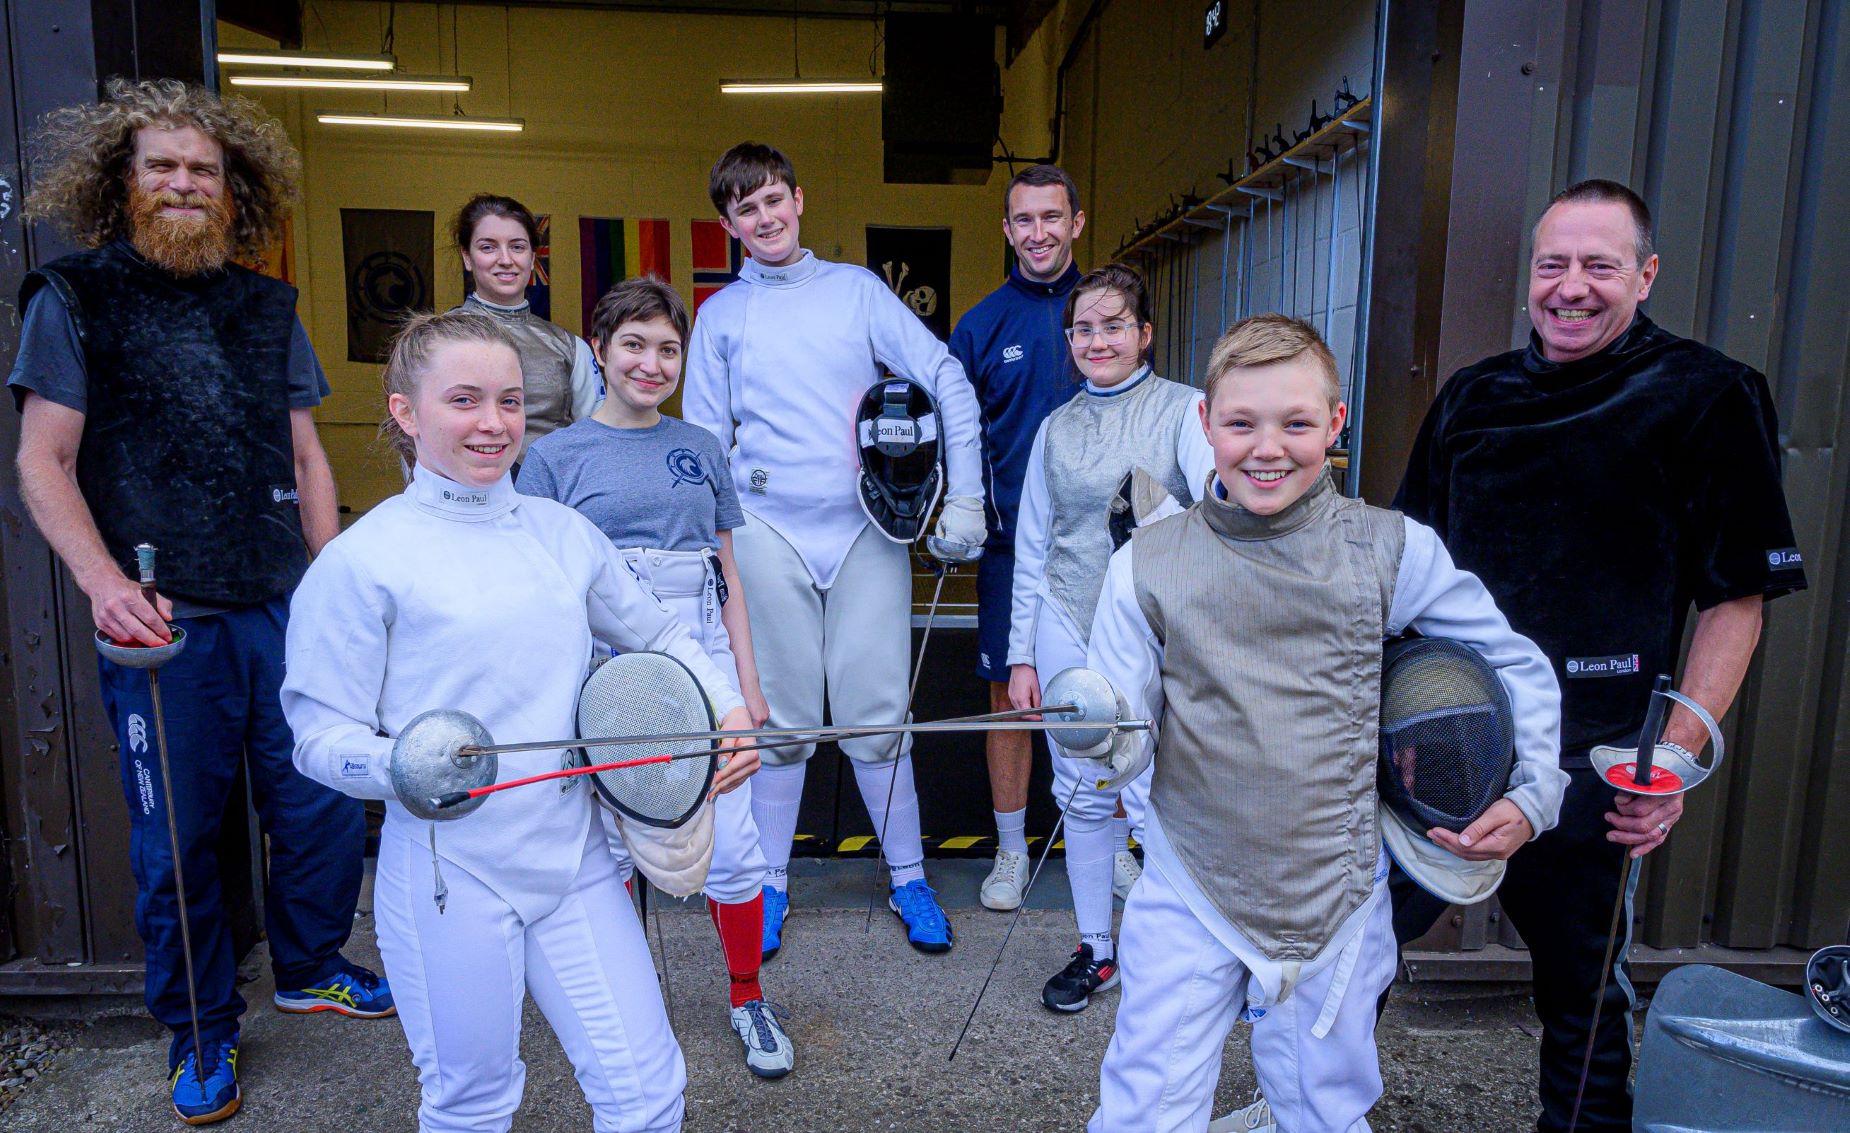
(666, 487)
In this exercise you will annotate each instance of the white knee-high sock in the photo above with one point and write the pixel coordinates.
(1088, 869)
(899, 834)
(777, 793)
(1120, 835)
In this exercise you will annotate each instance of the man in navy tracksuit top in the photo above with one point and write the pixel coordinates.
(1013, 349)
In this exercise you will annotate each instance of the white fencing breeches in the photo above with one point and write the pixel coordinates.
(461, 976)
(1183, 990)
(685, 582)
(853, 639)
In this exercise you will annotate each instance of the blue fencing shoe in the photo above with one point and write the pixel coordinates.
(917, 904)
(348, 989)
(776, 905)
(201, 1100)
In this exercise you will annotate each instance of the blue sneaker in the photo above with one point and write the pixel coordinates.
(776, 905)
(348, 989)
(201, 1101)
(917, 904)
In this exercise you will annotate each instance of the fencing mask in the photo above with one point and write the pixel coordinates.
(898, 435)
(1448, 745)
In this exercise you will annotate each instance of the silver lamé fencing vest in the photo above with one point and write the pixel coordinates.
(1271, 630)
(1092, 443)
(547, 354)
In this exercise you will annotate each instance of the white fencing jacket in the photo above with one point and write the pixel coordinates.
(776, 367)
(484, 600)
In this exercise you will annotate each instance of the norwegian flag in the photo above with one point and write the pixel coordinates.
(717, 257)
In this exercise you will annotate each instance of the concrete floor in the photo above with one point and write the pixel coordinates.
(873, 1022)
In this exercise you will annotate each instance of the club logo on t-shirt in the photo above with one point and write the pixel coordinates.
(1785, 557)
(684, 465)
(758, 480)
(1617, 665)
(1011, 354)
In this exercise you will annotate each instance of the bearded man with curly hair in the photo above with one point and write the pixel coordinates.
(167, 397)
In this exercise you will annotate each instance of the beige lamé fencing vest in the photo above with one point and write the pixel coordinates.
(1091, 443)
(1271, 631)
(547, 354)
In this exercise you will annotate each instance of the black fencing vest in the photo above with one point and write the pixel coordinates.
(186, 440)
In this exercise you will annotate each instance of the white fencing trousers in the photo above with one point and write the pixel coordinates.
(853, 639)
(461, 976)
(1182, 992)
(687, 583)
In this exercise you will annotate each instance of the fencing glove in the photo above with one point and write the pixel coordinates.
(962, 528)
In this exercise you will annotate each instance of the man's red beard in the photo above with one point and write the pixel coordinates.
(183, 244)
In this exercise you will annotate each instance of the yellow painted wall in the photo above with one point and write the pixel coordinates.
(624, 118)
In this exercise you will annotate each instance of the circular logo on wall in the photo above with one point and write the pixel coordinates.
(386, 285)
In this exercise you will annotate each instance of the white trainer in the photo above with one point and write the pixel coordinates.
(1002, 889)
(1255, 1118)
(768, 1050)
(1125, 870)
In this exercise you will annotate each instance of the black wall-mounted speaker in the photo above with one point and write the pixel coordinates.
(941, 105)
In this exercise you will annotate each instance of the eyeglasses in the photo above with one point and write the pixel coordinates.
(1081, 334)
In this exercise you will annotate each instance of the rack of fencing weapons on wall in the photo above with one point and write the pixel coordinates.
(1285, 237)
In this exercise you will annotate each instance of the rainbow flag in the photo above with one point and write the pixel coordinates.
(611, 249)
(717, 257)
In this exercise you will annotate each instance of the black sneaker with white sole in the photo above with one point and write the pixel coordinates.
(1072, 989)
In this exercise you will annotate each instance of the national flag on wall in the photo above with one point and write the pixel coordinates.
(388, 260)
(539, 285)
(612, 249)
(277, 260)
(916, 264)
(717, 257)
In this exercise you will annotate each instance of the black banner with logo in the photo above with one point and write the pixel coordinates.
(388, 256)
(916, 264)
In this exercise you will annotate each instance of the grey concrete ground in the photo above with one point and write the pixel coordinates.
(872, 1019)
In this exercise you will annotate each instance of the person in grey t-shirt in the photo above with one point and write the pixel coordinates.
(661, 489)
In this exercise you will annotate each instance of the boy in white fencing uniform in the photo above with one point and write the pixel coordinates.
(777, 368)
(1251, 625)
(659, 488)
(462, 593)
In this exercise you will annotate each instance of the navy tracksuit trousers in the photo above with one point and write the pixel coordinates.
(1559, 893)
(220, 700)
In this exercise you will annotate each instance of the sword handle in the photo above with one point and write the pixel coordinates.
(144, 559)
(1652, 731)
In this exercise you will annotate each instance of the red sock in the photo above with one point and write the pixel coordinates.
(741, 938)
(629, 886)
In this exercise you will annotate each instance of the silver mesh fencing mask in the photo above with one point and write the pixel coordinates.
(647, 694)
(899, 437)
(1448, 745)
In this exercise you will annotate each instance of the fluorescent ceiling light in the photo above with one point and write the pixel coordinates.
(422, 122)
(309, 59)
(456, 83)
(802, 86)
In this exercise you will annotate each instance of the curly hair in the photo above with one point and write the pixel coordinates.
(81, 175)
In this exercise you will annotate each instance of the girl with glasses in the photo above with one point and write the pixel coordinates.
(1125, 418)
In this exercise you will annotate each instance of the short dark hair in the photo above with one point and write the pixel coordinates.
(1598, 190)
(744, 169)
(1039, 175)
(1118, 277)
(484, 205)
(637, 299)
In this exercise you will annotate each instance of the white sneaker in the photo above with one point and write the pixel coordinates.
(1002, 888)
(1255, 1118)
(768, 1050)
(1125, 870)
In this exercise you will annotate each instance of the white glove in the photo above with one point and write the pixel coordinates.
(962, 528)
